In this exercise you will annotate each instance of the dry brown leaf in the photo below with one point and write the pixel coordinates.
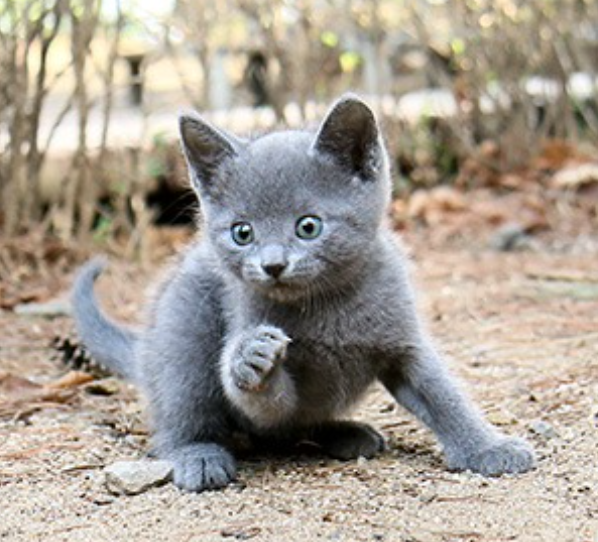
(10, 299)
(489, 150)
(14, 385)
(493, 212)
(555, 154)
(32, 452)
(399, 213)
(576, 176)
(162, 241)
(19, 395)
(432, 205)
(512, 181)
(71, 379)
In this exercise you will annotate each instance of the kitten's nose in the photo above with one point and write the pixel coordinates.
(273, 260)
(274, 269)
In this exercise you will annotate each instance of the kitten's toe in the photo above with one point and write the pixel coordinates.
(270, 343)
(200, 467)
(507, 456)
(349, 440)
(262, 352)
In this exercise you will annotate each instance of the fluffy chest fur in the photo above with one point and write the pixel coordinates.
(332, 354)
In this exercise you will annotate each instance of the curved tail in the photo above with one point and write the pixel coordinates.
(109, 344)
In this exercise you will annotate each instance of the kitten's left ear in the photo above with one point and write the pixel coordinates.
(350, 135)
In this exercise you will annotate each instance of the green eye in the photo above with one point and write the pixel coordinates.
(308, 227)
(242, 233)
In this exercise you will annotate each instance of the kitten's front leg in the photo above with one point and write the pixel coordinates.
(421, 383)
(253, 376)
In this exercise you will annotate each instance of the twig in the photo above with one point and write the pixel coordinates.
(563, 276)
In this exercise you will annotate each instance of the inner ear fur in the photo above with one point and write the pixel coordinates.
(205, 148)
(350, 135)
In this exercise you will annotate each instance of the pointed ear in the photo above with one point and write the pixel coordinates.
(205, 148)
(349, 134)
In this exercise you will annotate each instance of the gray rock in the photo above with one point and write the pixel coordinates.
(543, 429)
(134, 477)
(510, 237)
(49, 309)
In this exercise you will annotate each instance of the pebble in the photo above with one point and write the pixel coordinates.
(510, 237)
(501, 417)
(50, 309)
(134, 477)
(543, 429)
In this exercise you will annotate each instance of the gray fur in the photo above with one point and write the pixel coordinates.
(110, 344)
(232, 349)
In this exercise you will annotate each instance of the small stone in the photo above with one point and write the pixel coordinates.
(49, 309)
(501, 417)
(543, 429)
(509, 237)
(134, 477)
(428, 497)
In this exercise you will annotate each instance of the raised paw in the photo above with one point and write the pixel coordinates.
(505, 456)
(198, 467)
(346, 440)
(259, 355)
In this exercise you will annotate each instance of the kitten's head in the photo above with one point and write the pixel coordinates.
(292, 213)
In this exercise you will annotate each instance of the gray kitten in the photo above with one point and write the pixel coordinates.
(294, 301)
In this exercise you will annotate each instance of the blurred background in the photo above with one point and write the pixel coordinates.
(489, 108)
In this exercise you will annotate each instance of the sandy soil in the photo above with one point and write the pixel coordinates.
(521, 330)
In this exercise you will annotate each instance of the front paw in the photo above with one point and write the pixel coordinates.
(258, 357)
(507, 455)
(202, 466)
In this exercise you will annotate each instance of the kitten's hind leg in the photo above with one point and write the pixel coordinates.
(347, 440)
(421, 383)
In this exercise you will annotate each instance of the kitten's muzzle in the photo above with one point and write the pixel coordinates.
(273, 261)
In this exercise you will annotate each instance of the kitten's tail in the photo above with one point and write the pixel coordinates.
(110, 344)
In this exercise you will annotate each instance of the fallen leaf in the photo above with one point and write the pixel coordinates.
(554, 154)
(72, 379)
(576, 176)
(13, 385)
(432, 205)
(10, 299)
(20, 396)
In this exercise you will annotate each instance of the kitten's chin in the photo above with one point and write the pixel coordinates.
(281, 292)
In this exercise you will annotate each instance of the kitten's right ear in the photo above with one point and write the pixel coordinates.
(350, 135)
(205, 148)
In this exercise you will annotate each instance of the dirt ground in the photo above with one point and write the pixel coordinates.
(520, 328)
